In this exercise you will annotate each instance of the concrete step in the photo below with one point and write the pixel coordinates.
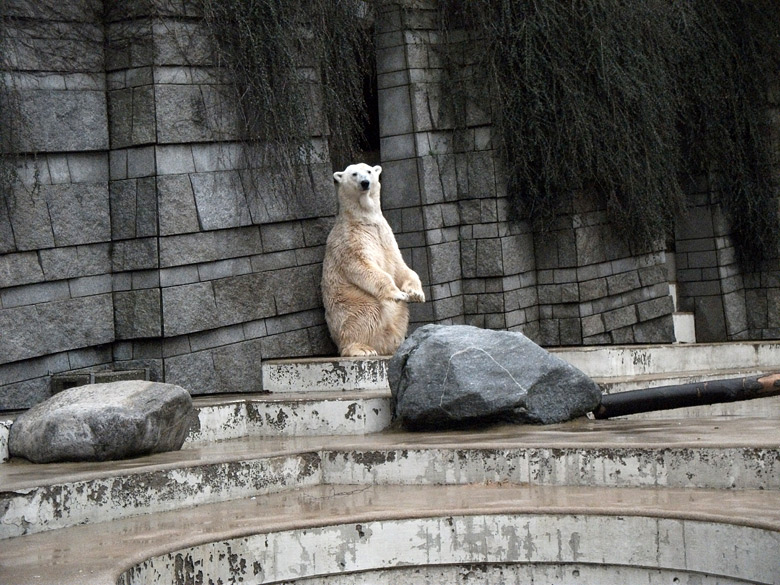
(382, 534)
(325, 374)
(327, 396)
(721, 453)
(288, 414)
(605, 362)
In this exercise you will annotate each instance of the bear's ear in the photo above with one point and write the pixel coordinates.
(337, 176)
(378, 170)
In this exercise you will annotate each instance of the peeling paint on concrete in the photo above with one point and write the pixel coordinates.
(5, 430)
(122, 496)
(607, 547)
(325, 375)
(612, 467)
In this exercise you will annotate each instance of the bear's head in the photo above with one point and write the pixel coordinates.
(359, 184)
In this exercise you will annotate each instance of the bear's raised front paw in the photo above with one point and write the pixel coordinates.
(357, 350)
(415, 296)
(401, 296)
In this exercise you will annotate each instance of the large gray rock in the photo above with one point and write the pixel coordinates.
(449, 376)
(101, 422)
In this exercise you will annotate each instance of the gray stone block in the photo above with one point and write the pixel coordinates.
(224, 268)
(63, 121)
(79, 213)
(220, 200)
(489, 260)
(400, 187)
(141, 162)
(138, 254)
(44, 292)
(189, 308)
(178, 213)
(289, 344)
(210, 246)
(590, 245)
(123, 209)
(54, 327)
(232, 368)
(659, 330)
(120, 108)
(735, 313)
(90, 285)
(246, 298)
(592, 325)
(76, 261)
(281, 236)
(195, 113)
(70, 46)
(175, 159)
(296, 289)
(444, 262)
(655, 308)
(395, 111)
(31, 224)
(137, 313)
(24, 394)
(216, 337)
(101, 422)
(7, 243)
(89, 167)
(21, 268)
(623, 282)
(619, 318)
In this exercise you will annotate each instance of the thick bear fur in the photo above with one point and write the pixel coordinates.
(365, 282)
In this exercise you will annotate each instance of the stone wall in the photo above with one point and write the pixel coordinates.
(56, 283)
(575, 284)
(141, 235)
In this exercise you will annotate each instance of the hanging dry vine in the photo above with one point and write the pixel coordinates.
(297, 67)
(626, 100)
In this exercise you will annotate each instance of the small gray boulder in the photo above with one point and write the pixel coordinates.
(102, 422)
(456, 375)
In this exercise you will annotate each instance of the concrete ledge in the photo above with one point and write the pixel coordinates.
(287, 415)
(657, 360)
(325, 374)
(708, 454)
(334, 530)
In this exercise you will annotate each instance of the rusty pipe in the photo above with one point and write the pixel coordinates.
(682, 395)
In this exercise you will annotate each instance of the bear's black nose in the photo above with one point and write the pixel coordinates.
(365, 184)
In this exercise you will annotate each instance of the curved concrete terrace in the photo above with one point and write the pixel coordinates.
(620, 526)
(142, 513)
(650, 500)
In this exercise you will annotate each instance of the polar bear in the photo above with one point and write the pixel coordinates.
(365, 282)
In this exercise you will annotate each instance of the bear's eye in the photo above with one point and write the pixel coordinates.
(354, 174)
(369, 172)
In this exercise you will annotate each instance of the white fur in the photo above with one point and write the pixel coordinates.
(365, 281)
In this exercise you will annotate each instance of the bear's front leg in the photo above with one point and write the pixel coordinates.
(412, 287)
(379, 284)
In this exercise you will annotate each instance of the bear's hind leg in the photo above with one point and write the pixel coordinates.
(357, 350)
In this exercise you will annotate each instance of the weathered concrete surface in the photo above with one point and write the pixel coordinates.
(642, 360)
(707, 454)
(731, 533)
(325, 375)
(515, 573)
(287, 415)
(447, 376)
(101, 422)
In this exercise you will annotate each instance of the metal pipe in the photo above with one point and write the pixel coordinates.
(682, 395)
